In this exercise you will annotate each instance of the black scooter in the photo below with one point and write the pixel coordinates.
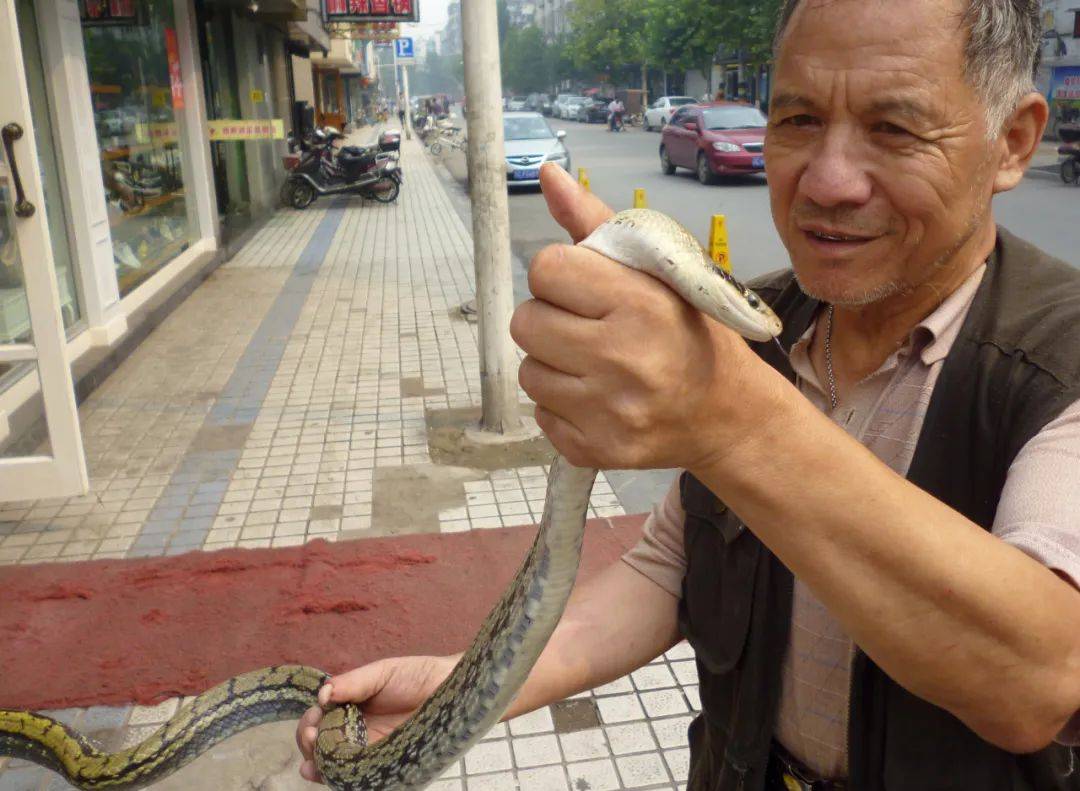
(369, 172)
(1070, 165)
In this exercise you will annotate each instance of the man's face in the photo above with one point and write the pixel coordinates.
(877, 155)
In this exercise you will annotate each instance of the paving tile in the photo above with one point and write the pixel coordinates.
(536, 750)
(500, 781)
(593, 775)
(538, 721)
(619, 708)
(663, 702)
(544, 778)
(488, 756)
(641, 771)
(631, 738)
(583, 745)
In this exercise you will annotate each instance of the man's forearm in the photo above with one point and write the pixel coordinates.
(953, 614)
(615, 623)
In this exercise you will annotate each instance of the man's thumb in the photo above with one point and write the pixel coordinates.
(576, 210)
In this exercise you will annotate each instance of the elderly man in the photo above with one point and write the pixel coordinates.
(875, 548)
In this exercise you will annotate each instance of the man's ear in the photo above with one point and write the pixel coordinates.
(1020, 140)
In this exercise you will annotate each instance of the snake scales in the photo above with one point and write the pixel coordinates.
(485, 681)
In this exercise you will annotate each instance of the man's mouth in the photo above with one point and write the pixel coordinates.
(834, 239)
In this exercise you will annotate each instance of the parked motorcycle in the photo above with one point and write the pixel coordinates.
(372, 172)
(1070, 164)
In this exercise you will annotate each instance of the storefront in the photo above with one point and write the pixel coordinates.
(1064, 97)
(113, 196)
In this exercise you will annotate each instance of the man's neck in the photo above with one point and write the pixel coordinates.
(864, 337)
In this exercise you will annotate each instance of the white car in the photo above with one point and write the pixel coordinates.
(659, 113)
(530, 142)
(516, 104)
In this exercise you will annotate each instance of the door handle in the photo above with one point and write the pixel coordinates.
(12, 132)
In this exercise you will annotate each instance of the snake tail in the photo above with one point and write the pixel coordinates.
(275, 693)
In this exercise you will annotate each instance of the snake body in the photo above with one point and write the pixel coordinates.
(483, 684)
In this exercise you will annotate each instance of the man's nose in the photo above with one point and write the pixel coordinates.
(835, 175)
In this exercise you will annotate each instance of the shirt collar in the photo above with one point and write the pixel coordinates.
(932, 338)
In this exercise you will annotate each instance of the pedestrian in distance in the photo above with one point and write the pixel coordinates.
(873, 547)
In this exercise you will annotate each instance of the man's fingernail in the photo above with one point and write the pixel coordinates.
(325, 693)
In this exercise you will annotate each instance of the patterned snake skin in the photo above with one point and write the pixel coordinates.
(483, 684)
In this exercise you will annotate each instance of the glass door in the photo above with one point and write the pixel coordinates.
(34, 346)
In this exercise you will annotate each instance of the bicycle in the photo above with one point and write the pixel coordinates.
(455, 143)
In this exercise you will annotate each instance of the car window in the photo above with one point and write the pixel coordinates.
(719, 118)
(679, 101)
(689, 117)
(529, 127)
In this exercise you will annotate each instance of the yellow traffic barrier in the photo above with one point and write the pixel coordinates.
(718, 242)
(583, 179)
(639, 199)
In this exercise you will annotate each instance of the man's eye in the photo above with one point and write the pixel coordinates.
(801, 120)
(890, 129)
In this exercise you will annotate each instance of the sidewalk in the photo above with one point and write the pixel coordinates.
(289, 398)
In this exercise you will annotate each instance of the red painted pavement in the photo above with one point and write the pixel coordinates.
(141, 631)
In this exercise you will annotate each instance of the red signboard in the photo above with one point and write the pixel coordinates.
(109, 12)
(371, 10)
(176, 80)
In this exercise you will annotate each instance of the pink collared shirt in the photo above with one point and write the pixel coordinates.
(1039, 513)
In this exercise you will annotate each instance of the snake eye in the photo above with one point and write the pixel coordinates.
(753, 300)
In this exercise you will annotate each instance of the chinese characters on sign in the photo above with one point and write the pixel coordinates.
(371, 10)
(109, 12)
(225, 129)
(176, 80)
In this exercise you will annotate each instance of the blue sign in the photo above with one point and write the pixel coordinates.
(403, 49)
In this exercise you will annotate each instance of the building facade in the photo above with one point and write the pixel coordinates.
(553, 17)
(150, 138)
(1059, 76)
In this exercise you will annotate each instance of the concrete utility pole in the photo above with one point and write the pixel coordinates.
(490, 216)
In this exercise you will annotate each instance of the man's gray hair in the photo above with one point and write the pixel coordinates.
(1003, 51)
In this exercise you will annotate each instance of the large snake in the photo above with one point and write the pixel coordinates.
(483, 684)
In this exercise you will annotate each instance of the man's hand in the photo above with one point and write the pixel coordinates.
(390, 691)
(625, 374)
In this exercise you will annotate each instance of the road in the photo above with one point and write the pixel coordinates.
(1041, 209)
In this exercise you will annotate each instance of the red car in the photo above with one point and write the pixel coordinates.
(714, 139)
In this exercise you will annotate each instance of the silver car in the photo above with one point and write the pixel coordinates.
(530, 143)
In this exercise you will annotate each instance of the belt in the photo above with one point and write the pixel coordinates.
(787, 774)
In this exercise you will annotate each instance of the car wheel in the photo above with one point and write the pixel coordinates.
(704, 172)
(665, 162)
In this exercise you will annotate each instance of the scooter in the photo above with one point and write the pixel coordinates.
(369, 172)
(1070, 165)
(615, 123)
(1070, 152)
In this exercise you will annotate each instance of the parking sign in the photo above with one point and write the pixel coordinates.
(404, 54)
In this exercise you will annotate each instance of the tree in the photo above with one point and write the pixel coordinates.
(608, 35)
(525, 61)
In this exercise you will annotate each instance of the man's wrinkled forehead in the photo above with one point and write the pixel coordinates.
(873, 46)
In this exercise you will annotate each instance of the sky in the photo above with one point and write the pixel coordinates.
(432, 19)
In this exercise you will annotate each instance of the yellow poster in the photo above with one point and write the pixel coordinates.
(227, 129)
(256, 95)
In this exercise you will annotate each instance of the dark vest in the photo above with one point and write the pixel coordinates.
(1014, 367)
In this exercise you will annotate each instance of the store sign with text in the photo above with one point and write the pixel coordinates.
(1065, 86)
(223, 130)
(110, 12)
(371, 10)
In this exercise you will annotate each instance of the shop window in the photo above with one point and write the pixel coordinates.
(138, 98)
